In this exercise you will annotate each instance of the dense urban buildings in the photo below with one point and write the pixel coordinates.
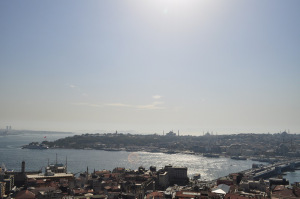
(168, 182)
(281, 151)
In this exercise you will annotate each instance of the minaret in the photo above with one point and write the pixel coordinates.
(87, 174)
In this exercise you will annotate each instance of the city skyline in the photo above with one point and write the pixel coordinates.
(150, 66)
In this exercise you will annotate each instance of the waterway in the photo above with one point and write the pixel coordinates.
(292, 176)
(12, 155)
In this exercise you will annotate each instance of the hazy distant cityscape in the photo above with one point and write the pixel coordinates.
(278, 153)
(267, 147)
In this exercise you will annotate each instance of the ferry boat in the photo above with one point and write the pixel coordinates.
(211, 155)
(35, 145)
(238, 158)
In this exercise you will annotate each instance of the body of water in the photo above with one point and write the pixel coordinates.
(292, 176)
(12, 155)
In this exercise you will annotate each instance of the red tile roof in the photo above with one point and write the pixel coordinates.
(156, 195)
(187, 194)
(234, 196)
(25, 194)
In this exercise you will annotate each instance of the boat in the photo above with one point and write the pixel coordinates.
(111, 149)
(211, 155)
(170, 152)
(238, 158)
(154, 151)
(35, 145)
(197, 176)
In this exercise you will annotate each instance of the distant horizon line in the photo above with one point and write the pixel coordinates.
(141, 133)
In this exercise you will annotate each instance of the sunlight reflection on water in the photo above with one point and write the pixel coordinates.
(78, 160)
(209, 168)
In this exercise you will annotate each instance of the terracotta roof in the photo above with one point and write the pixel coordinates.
(107, 175)
(234, 196)
(187, 194)
(31, 180)
(283, 193)
(115, 175)
(25, 194)
(45, 189)
(279, 188)
(102, 172)
(155, 195)
(107, 187)
(79, 191)
(90, 191)
(297, 191)
(40, 181)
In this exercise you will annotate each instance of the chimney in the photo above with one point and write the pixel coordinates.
(23, 166)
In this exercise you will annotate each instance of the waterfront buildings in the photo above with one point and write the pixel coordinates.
(168, 182)
(266, 147)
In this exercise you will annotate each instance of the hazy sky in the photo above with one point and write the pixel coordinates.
(192, 65)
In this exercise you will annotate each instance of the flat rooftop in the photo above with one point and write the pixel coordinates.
(56, 175)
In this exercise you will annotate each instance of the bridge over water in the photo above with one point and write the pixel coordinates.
(271, 170)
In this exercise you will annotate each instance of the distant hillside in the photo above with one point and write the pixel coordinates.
(250, 145)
